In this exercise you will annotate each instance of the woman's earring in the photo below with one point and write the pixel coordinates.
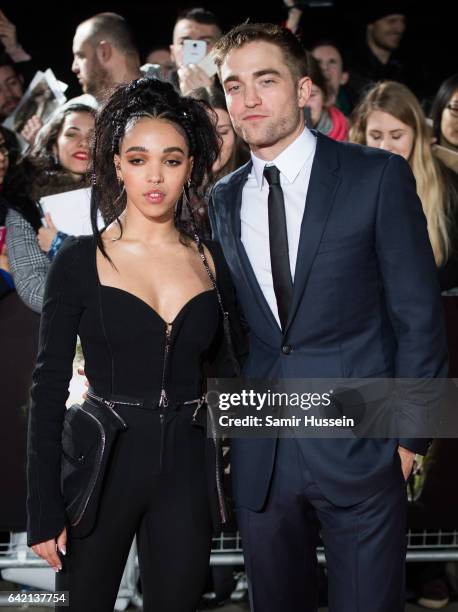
(55, 160)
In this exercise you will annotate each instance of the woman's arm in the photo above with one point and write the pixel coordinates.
(29, 265)
(62, 307)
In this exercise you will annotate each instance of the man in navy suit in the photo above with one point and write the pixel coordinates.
(329, 253)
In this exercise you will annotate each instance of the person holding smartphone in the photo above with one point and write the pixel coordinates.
(195, 33)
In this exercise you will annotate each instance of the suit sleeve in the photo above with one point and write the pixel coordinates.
(62, 307)
(412, 295)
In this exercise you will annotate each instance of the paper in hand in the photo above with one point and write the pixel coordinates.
(71, 211)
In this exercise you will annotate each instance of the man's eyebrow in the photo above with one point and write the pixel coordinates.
(257, 74)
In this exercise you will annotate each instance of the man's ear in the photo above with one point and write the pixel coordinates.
(104, 51)
(304, 89)
(344, 78)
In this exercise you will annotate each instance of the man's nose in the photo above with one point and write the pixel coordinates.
(251, 97)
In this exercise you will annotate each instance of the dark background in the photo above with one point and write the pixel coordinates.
(45, 28)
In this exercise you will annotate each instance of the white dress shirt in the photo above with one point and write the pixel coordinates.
(295, 165)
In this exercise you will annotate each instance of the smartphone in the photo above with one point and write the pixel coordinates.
(152, 71)
(208, 65)
(2, 236)
(194, 51)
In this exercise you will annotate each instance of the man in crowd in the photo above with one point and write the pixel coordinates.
(104, 53)
(194, 24)
(11, 87)
(377, 58)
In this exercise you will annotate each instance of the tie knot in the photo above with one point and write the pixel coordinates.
(272, 174)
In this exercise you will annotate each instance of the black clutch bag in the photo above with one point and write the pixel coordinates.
(88, 436)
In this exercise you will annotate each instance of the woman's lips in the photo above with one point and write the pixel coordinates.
(81, 156)
(155, 196)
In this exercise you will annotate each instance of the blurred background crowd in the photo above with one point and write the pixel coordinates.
(384, 75)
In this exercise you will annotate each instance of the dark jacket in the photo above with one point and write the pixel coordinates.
(366, 304)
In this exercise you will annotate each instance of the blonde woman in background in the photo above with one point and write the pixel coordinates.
(390, 117)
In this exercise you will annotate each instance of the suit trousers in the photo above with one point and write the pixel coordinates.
(365, 544)
(156, 488)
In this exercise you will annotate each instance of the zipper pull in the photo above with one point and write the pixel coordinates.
(164, 400)
(108, 403)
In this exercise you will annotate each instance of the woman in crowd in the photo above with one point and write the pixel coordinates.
(324, 118)
(57, 163)
(390, 117)
(19, 342)
(233, 152)
(444, 114)
(162, 481)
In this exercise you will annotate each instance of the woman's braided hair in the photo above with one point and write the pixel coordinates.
(148, 97)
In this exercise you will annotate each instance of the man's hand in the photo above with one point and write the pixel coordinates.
(9, 39)
(7, 33)
(48, 550)
(31, 129)
(407, 459)
(192, 77)
(4, 263)
(46, 234)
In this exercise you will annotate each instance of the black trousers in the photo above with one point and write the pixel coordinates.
(365, 544)
(156, 489)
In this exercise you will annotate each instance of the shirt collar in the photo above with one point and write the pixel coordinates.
(290, 161)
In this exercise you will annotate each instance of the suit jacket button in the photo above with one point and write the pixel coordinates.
(286, 349)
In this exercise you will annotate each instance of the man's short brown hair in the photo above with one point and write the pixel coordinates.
(285, 40)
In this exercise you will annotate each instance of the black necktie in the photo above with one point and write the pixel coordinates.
(278, 241)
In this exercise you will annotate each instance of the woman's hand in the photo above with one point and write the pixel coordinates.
(48, 550)
(4, 264)
(31, 129)
(46, 234)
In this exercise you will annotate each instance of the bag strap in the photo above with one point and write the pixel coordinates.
(211, 276)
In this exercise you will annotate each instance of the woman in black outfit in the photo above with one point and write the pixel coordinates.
(141, 297)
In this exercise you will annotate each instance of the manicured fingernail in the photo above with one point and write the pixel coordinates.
(57, 569)
(63, 550)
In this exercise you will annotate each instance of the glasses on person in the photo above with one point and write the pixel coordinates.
(453, 108)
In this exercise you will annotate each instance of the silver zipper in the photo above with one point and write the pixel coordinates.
(96, 472)
(163, 399)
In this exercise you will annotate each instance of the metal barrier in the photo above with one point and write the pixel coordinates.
(227, 550)
(421, 546)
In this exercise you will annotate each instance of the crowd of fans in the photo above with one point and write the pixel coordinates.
(364, 98)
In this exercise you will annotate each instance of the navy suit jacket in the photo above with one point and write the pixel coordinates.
(366, 304)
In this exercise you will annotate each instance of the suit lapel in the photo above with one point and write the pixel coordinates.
(324, 180)
(245, 265)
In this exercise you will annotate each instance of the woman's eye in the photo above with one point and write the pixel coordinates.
(135, 161)
(173, 162)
